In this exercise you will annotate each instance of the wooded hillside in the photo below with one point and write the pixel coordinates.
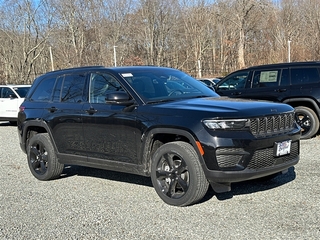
(203, 38)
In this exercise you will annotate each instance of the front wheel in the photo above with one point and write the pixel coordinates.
(177, 175)
(42, 159)
(308, 121)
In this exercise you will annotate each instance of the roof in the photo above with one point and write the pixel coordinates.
(287, 64)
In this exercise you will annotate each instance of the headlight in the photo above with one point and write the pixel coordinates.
(231, 124)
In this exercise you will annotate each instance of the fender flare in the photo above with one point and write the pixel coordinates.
(37, 123)
(310, 100)
(148, 136)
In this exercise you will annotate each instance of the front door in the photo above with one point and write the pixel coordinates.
(110, 132)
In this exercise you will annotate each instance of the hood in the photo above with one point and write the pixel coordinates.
(227, 107)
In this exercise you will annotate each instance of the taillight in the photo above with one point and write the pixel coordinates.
(21, 108)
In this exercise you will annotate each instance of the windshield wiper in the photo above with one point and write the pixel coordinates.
(160, 101)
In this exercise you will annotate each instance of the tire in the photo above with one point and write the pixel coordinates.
(42, 160)
(177, 175)
(308, 121)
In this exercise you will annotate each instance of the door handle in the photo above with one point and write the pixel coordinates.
(236, 93)
(280, 90)
(91, 111)
(52, 109)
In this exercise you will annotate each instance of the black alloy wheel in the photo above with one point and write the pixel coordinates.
(308, 121)
(177, 175)
(42, 159)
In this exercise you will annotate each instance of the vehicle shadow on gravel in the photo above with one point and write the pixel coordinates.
(240, 188)
(5, 124)
(256, 185)
(72, 170)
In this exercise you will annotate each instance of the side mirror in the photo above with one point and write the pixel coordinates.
(119, 98)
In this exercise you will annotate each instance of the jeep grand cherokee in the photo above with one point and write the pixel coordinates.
(137, 120)
(294, 83)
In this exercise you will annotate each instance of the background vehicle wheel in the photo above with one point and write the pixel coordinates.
(42, 159)
(308, 121)
(177, 175)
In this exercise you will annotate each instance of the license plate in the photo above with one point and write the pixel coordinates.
(282, 148)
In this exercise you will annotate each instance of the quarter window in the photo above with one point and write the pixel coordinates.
(304, 75)
(44, 90)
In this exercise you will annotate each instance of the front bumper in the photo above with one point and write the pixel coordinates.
(240, 157)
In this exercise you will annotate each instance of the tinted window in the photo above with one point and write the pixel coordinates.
(304, 75)
(266, 78)
(284, 80)
(72, 88)
(7, 93)
(100, 85)
(57, 89)
(44, 90)
(22, 91)
(234, 81)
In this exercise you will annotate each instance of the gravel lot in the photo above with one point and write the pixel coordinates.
(96, 204)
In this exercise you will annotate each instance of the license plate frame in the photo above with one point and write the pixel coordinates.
(282, 148)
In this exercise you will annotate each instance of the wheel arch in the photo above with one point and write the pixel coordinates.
(305, 102)
(159, 136)
(32, 127)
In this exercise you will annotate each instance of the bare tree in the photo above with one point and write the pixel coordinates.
(23, 40)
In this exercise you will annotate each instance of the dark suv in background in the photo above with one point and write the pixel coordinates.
(296, 83)
(156, 122)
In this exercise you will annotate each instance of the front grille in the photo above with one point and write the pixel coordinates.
(264, 158)
(272, 124)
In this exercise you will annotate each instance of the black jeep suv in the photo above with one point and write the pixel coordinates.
(156, 122)
(297, 84)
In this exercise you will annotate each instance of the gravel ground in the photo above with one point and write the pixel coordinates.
(95, 204)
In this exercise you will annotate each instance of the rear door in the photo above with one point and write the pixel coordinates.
(63, 113)
(268, 84)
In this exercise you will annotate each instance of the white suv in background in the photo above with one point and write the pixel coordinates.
(11, 97)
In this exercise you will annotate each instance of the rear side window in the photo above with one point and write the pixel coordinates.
(304, 75)
(70, 88)
(43, 92)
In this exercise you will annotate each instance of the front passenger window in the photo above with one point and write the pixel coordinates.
(100, 85)
(8, 93)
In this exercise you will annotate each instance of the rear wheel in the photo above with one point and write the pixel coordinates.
(177, 175)
(308, 121)
(42, 159)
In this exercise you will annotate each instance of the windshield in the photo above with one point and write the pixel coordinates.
(169, 84)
